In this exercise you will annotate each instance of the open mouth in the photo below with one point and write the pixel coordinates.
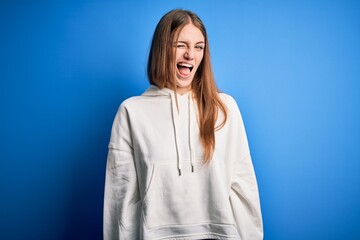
(184, 69)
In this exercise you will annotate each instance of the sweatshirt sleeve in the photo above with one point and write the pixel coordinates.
(244, 196)
(121, 197)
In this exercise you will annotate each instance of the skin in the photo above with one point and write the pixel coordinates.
(189, 52)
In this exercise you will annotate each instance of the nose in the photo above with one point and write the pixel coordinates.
(189, 54)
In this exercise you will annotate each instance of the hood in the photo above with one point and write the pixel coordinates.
(190, 112)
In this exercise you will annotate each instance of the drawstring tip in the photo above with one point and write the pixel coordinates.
(192, 168)
(179, 172)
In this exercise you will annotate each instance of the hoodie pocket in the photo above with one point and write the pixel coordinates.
(190, 199)
(148, 190)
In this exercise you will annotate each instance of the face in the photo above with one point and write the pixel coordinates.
(188, 56)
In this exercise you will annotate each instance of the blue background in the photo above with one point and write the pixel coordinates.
(292, 66)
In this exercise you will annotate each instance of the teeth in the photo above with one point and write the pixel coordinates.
(185, 65)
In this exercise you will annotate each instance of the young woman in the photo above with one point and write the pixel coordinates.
(179, 165)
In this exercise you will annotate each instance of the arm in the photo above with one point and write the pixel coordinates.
(245, 202)
(121, 198)
(244, 196)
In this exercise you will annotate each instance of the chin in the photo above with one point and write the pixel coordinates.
(183, 83)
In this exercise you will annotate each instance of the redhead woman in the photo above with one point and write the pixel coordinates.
(179, 165)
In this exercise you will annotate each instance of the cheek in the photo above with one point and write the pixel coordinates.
(199, 59)
(179, 53)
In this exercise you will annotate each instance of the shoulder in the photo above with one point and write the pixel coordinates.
(233, 110)
(133, 102)
(145, 100)
(229, 101)
(130, 101)
(126, 106)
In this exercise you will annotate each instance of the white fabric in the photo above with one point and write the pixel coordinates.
(157, 186)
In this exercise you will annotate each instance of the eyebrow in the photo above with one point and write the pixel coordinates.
(201, 42)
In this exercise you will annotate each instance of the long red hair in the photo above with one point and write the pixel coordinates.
(161, 66)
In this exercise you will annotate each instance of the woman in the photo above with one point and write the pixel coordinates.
(179, 165)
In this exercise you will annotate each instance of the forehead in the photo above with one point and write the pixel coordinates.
(191, 33)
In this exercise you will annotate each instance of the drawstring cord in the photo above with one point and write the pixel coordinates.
(175, 112)
(191, 144)
(174, 117)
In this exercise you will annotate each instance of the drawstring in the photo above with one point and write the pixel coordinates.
(191, 143)
(175, 111)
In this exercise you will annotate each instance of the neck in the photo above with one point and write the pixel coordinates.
(182, 90)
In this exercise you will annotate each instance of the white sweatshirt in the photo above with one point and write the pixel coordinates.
(157, 186)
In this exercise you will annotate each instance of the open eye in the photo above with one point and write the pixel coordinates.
(199, 47)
